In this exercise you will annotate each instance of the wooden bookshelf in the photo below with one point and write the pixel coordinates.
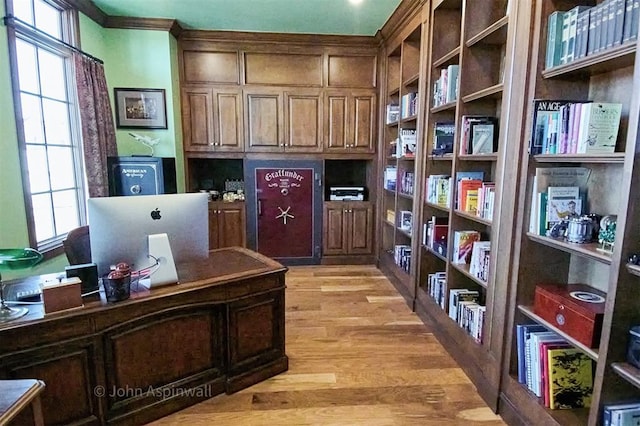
(607, 76)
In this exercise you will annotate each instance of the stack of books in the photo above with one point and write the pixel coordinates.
(584, 30)
(552, 369)
(568, 127)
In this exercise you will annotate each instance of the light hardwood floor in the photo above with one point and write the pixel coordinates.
(357, 356)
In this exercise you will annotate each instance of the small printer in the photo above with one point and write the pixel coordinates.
(346, 193)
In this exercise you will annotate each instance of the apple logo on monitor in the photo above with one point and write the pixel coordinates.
(155, 214)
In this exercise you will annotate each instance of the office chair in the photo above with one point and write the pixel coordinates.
(77, 246)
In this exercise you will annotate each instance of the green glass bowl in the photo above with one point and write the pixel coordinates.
(11, 259)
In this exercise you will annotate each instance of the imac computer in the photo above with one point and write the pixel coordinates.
(149, 232)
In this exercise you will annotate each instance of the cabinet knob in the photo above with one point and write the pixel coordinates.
(346, 211)
(212, 143)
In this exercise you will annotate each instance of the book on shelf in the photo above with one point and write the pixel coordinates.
(408, 104)
(546, 177)
(544, 134)
(437, 229)
(571, 20)
(438, 190)
(458, 295)
(537, 339)
(598, 129)
(393, 113)
(544, 367)
(437, 287)
(407, 144)
(523, 334)
(563, 202)
(483, 137)
(406, 220)
(630, 26)
(486, 200)
(554, 38)
(445, 88)
(570, 379)
(480, 257)
(390, 177)
(443, 134)
(474, 176)
(468, 192)
(463, 245)
(466, 137)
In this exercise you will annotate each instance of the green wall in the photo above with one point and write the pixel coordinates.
(133, 58)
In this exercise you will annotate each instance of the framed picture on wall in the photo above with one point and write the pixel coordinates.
(140, 108)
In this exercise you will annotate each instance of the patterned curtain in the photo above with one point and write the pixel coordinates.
(98, 133)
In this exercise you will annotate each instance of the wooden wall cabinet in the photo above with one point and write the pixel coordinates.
(280, 120)
(350, 119)
(212, 119)
(348, 228)
(227, 224)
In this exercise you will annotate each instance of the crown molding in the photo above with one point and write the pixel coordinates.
(106, 21)
(403, 13)
(170, 25)
(289, 38)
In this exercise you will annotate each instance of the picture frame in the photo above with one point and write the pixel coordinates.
(140, 108)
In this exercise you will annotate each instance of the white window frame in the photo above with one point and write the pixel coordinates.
(50, 247)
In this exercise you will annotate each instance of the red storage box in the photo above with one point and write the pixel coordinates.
(576, 309)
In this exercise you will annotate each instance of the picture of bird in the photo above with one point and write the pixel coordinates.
(146, 141)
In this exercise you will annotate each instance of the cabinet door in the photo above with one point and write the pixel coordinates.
(337, 121)
(228, 121)
(232, 225)
(197, 119)
(333, 240)
(264, 120)
(303, 121)
(362, 126)
(68, 369)
(360, 229)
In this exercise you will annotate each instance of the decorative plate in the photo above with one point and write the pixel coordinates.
(18, 258)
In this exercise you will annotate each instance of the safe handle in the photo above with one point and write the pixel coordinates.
(259, 207)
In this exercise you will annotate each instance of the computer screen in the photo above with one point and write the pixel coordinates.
(119, 228)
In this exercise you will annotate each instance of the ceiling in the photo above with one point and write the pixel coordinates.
(340, 17)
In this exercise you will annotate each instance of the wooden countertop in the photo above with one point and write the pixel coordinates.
(223, 266)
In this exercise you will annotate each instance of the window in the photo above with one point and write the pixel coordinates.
(47, 120)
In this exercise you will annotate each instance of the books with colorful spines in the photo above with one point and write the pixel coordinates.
(463, 244)
(544, 112)
(460, 176)
(544, 356)
(458, 295)
(523, 332)
(471, 201)
(464, 186)
(536, 371)
(599, 124)
(570, 379)
(573, 21)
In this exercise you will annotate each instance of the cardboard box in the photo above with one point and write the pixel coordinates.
(60, 295)
(576, 309)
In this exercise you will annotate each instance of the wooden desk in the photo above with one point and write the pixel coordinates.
(18, 396)
(220, 330)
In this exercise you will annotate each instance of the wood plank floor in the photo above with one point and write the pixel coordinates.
(357, 356)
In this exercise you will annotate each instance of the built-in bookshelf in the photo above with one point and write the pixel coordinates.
(464, 183)
(404, 100)
(552, 255)
(498, 49)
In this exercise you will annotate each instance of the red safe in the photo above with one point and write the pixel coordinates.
(576, 309)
